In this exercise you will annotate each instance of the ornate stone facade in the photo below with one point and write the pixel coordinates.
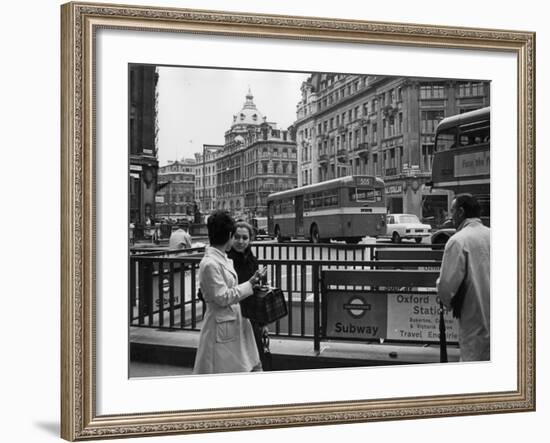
(256, 159)
(176, 189)
(383, 126)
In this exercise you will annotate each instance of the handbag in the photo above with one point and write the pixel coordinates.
(265, 306)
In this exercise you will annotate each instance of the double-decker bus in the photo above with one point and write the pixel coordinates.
(461, 160)
(345, 208)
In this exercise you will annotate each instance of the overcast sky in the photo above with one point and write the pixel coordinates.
(196, 105)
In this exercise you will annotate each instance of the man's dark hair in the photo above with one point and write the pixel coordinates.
(470, 205)
(220, 227)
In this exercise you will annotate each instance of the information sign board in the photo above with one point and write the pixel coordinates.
(415, 317)
(355, 314)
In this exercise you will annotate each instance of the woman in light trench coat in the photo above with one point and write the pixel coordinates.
(226, 342)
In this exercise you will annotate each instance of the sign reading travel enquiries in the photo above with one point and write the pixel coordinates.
(415, 316)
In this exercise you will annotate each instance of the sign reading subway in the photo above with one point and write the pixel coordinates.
(401, 316)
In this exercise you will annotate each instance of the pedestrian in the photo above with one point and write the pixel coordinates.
(226, 341)
(464, 281)
(180, 238)
(246, 264)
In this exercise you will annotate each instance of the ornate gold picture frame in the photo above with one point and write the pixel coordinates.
(80, 24)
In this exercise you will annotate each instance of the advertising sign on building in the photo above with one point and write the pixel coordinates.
(415, 317)
(354, 314)
(394, 189)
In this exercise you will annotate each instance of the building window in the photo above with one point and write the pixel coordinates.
(430, 119)
(427, 156)
(432, 91)
(470, 89)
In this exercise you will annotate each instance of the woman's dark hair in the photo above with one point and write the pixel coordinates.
(469, 203)
(221, 227)
(243, 224)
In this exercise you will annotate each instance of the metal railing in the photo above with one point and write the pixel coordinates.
(164, 283)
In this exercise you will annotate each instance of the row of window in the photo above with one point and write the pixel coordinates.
(466, 89)
(390, 97)
(324, 199)
(392, 164)
(391, 126)
(177, 198)
(327, 199)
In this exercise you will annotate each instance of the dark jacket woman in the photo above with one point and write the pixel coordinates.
(245, 264)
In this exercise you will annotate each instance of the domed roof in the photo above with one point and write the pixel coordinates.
(249, 114)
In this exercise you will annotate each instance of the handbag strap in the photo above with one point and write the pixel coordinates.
(265, 340)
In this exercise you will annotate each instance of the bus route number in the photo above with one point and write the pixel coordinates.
(364, 181)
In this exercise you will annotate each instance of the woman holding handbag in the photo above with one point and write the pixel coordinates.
(246, 264)
(226, 342)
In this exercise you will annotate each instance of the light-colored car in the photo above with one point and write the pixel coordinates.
(406, 226)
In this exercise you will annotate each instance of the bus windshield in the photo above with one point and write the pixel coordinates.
(470, 134)
(445, 141)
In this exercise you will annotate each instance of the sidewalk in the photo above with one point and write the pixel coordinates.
(170, 352)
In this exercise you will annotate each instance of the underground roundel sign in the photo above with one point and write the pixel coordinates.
(357, 306)
(355, 314)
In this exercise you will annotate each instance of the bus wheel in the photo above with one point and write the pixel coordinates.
(278, 235)
(315, 234)
(396, 238)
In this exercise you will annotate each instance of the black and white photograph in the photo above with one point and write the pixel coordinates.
(286, 221)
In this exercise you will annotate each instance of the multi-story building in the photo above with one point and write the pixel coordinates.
(256, 159)
(143, 143)
(383, 126)
(205, 189)
(176, 189)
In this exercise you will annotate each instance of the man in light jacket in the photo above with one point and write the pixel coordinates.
(180, 239)
(464, 281)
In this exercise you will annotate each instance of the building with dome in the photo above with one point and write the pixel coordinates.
(256, 159)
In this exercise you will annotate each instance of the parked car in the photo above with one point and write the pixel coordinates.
(406, 226)
(444, 233)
